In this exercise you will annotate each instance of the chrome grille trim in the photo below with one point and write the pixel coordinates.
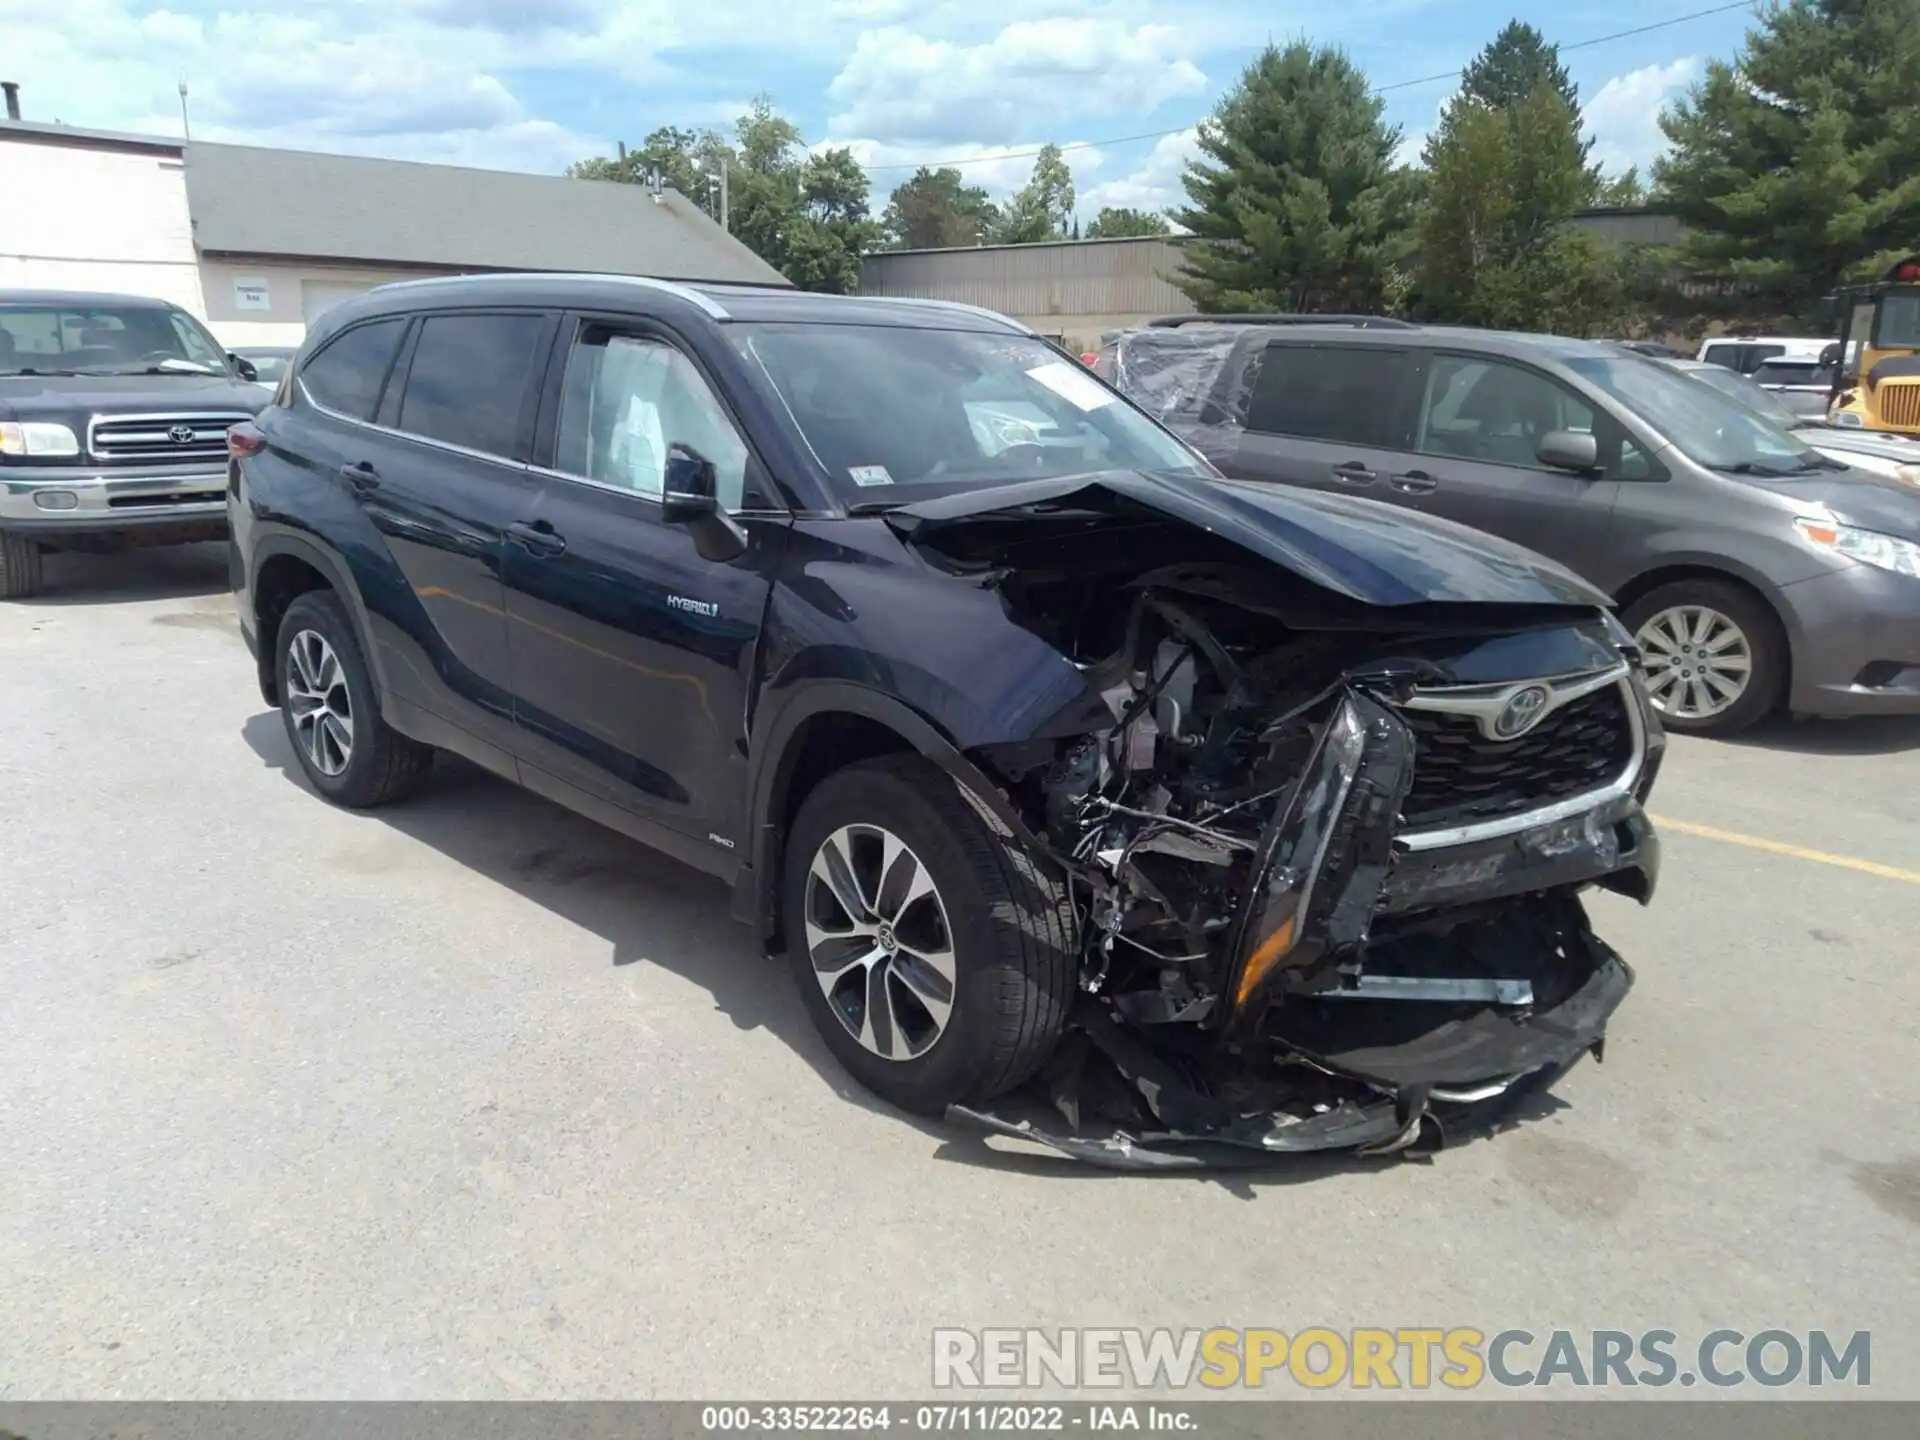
(1474, 701)
(147, 436)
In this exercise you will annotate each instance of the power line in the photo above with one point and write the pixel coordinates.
(1378, 90)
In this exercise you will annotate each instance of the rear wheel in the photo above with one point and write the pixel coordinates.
(1714, 655)
(347, 750)
(934, 957)
(20, 566)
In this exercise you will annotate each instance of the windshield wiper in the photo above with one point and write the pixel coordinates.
(874, 507)
(32, 370)
(174, 369)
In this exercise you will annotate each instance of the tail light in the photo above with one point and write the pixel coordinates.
(244, 440)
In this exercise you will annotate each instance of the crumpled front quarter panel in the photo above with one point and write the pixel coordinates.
(857, 606)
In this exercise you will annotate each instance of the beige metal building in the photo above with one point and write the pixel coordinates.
(1069, 290)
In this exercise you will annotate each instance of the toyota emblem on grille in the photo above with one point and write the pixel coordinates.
(1523, 710)
(180, 434)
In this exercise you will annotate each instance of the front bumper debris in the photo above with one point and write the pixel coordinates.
(1380, 998)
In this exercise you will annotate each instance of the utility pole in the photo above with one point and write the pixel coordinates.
(723, 195)
(186, 129)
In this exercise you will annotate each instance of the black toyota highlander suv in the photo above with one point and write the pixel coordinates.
(113, 418)
(1093, 798)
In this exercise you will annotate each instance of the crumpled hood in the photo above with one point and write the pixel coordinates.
(1362, 549)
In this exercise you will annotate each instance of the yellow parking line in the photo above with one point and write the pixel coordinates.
(1797, 852)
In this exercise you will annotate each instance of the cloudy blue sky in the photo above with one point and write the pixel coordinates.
(533, 84)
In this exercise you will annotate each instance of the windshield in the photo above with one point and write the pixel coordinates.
(105, 340)
(887, 410)
(1704, 425)
(1898, 325)
(1738, 387)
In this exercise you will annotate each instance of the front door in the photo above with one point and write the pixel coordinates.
(1474, 458)
(633, 655)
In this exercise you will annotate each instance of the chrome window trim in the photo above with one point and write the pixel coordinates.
(958, 307)
(1618, 788)
(300, 384)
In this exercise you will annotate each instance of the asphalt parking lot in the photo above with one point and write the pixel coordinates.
(474, 1099)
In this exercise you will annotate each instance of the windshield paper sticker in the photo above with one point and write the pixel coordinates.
(1072, 384)
(869, 475)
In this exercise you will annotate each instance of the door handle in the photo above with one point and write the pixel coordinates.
(362, 477)
(538, 538)
(1414, 482)
(1354, 472)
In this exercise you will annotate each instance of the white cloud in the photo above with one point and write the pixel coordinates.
(1153, 184)
(998, 169)
(1623, 117)
(1031, 75)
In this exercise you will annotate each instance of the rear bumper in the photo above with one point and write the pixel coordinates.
(1856, 643)
(97, 499)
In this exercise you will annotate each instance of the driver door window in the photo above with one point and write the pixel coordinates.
(627, 399)
(1484, 410)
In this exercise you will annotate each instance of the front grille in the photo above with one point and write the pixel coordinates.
(161, 439)
(1900, 405)
(1461, 777)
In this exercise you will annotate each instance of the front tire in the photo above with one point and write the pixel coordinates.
(21, 572)
(346, 749)
(1714, 656)
(936, 959)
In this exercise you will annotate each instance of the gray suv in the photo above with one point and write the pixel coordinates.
(1755, 572)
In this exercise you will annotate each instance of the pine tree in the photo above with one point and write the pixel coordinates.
(1797, 166)
(1495, 248)
(1043, 208)
(1515, 62)
(1298, 191)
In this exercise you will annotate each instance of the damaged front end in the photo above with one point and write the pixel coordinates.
(1327, 859)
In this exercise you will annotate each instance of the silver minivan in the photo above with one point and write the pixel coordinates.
(1756, 573)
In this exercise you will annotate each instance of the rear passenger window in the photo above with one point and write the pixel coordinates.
(346, 376)
(468, 381)
(1326, 392)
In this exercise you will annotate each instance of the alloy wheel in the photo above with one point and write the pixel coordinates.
(878, 936)
(1698, 662)
(319, 703)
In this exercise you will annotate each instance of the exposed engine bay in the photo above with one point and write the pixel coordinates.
(1323, 901)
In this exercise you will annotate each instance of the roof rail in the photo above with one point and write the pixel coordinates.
(668, 287)
(1361, 322)
(957, 306)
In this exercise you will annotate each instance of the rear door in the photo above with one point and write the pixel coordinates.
(1327, 417)
(633, 654)
(446, 475)
(1478, 425)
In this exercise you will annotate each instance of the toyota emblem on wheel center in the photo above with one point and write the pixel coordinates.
(181, 434)
(1521, 713)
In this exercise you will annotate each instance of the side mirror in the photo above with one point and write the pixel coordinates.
(244, 368)
(1575, 450)
(691, 497)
